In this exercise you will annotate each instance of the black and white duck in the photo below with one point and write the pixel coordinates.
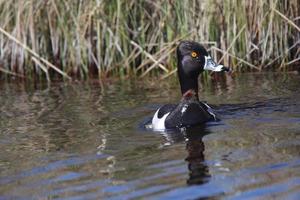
(192, 59)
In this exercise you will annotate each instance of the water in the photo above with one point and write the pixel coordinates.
(78, 141)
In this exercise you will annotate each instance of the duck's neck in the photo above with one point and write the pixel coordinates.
(188, 82)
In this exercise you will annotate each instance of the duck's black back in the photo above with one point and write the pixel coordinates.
(188, 112)
(168, 108)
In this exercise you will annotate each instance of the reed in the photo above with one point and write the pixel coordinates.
(80, 39)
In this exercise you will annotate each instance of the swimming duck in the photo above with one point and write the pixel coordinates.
(192, 59)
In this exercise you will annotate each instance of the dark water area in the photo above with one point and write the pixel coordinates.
(78, 141)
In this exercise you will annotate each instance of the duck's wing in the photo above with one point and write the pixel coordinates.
(189, 114)
(209, 110)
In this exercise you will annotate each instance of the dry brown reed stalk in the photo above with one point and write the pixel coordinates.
(43, 67)
(156, 62)
(163, 57)
(237, 58)
(287, 19)
(129, 37)
(232, 43)
(169, 74)
(11, 73)
(26, 48)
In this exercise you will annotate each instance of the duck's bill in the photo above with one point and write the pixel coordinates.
(212, 66)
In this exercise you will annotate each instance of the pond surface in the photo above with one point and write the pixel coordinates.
(78, 141)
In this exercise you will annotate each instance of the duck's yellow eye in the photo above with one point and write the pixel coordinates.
(194, 54)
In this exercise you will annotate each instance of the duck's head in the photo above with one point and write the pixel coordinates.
(192, 60)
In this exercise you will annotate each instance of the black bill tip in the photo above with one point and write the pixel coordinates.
(225, 69)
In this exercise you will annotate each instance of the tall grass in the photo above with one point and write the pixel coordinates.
(80, 39)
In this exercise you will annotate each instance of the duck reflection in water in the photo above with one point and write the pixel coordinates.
(198, 170)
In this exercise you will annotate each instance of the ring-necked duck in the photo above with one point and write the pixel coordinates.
(192, 59)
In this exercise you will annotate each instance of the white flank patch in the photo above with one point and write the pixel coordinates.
(210, 110)
(158, 124)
